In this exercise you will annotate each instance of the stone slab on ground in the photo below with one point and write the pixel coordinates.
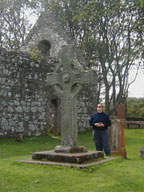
(68, 157)
(77, 165)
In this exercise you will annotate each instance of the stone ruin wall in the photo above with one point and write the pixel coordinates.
(86, 106)
(22, 94)
(25, 99)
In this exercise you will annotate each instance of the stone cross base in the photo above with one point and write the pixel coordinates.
(77, 165)
(78, 158)
(70, 149)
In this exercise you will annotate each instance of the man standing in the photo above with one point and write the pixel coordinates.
(100, 122)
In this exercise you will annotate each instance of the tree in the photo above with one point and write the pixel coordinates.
(135, 108)
(109, 32)
(139, 6)
(14, 22)
(111, 38)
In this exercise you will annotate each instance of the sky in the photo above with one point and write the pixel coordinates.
(137, 88)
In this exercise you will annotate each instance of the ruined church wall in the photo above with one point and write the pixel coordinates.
(23, 94)
(86, 106)
(25, 98)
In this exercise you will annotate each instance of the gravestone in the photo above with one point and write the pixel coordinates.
(116, 133)
(121, 111)
(141, 152)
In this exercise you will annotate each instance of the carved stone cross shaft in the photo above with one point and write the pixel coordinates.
(67, 80)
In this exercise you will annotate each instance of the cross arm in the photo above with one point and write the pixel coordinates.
(53, 79)
(84, 77)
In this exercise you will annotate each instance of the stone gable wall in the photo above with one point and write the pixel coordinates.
(48, 28)
(25, 99)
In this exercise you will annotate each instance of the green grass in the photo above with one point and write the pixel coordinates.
(119, 175)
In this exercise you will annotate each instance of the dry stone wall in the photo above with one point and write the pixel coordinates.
(25, 98)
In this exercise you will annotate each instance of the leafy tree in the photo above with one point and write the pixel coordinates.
(14, 22)
(139, 6)
(135, 108)
(111, 37)
(110, 32)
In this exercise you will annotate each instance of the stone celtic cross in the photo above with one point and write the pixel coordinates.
(67, 80)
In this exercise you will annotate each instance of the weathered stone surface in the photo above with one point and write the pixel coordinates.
(135, 124)
(116, 135)
(48, 33)
(68, 157)
(25, 99)
(24, 94)
(73, 149)
(121, 111)
(67, 80)
(77, 165)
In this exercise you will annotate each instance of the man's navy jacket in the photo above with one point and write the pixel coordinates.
(100, 117)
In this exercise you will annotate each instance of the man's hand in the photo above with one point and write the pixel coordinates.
(99, 124)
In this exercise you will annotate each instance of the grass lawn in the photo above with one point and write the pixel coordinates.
(119, 175)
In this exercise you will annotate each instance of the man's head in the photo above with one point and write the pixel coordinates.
(99, 108)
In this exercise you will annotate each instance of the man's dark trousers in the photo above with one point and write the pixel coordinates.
(101, 140)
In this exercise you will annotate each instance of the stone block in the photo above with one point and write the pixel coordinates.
(69, 149)
(68, 157)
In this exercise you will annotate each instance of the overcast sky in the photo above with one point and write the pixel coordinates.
(137, 88)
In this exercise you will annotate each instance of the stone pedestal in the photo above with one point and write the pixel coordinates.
(69, 149)
(66, 157)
